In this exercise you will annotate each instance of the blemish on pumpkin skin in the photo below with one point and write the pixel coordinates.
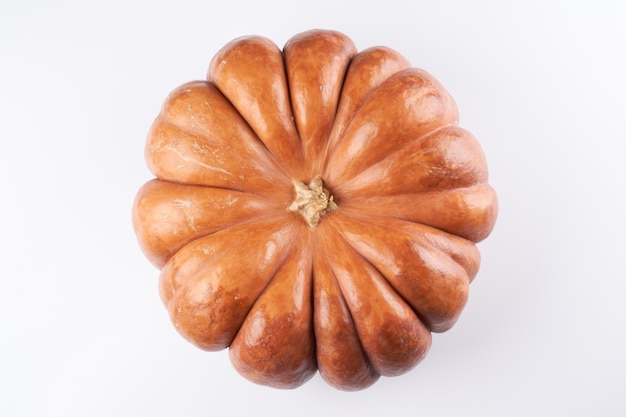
(208, 151)
(194, 161)
(183, 203)
(232, 202)
(200, 148)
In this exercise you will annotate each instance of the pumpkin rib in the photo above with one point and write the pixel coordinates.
(267, 157)
(446, 158)
(391, 352)
(408, 104)
(435, 276)
(367, 70)
(315, 86)
(287, 253)
(387, 280)
(167, 216)
(193, 139)
(459, 249)
(468, 212)
(261, 179)
(350, 188)
(196, 297)
(463, 252)
(255, 82)
(346, 344)
(275, 343)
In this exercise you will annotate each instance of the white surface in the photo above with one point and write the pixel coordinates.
(83, 332)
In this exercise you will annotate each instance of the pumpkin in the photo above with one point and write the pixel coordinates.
(315, 208)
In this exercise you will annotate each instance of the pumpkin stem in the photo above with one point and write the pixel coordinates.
(312, 201)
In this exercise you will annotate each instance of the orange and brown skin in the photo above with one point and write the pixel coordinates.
(354, 293)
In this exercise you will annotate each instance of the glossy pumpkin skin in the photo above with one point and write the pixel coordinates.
(357, 295)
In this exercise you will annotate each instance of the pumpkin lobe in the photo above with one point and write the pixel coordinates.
(312, 201)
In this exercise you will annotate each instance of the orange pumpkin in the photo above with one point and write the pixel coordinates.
(314, 208)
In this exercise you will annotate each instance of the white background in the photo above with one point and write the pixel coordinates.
(540, 83)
